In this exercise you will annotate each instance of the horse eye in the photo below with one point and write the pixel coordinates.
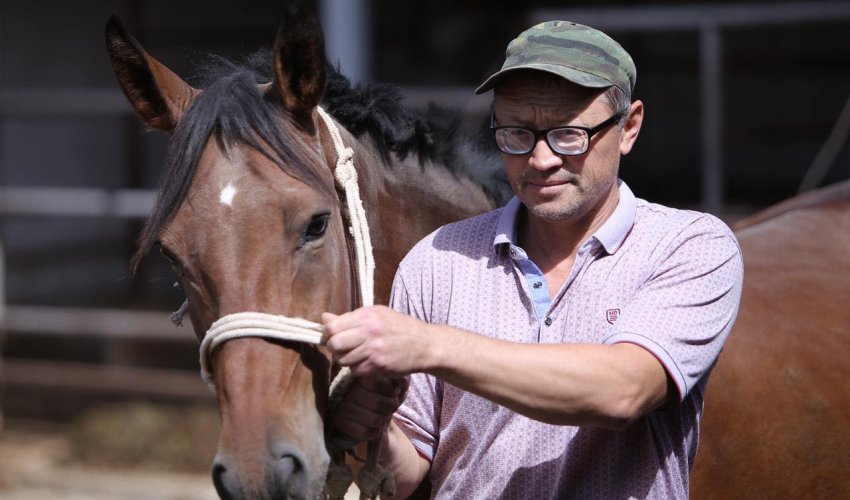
(317, 227)
(169, 256)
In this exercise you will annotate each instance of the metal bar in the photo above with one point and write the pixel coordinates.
(89, 202)
(692, 17)
(829, 151)
(711, 90)
(460, 97)
(348, 36)
(2, 294)
(50, 102)
(110, 379)
(103, 323)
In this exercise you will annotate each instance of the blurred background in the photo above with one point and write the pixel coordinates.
(746, 105)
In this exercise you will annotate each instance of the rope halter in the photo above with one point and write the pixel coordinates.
(255, 324)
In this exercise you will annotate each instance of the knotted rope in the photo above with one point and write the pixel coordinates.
(372, 479)
(346, 176)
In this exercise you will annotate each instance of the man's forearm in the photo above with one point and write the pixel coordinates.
(564, 384)
(401, 458)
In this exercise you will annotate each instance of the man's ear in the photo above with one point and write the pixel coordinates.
(631, 129)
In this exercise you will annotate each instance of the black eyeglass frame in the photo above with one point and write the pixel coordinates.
(544, 134)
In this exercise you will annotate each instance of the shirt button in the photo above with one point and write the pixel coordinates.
(537, 284)
(548, 321)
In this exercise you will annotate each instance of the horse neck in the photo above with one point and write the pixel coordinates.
(404, 201)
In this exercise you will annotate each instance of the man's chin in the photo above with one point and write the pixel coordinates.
(553, 212)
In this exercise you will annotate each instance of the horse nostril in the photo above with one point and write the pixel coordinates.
(289, 469)
(221, 482)
(286, 466)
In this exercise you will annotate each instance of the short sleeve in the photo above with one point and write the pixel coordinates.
(686, 308)
(418, 415)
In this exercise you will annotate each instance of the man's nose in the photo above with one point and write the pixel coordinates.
(542, 157)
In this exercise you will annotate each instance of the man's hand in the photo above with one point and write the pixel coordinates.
(377, 341)
(367, 408)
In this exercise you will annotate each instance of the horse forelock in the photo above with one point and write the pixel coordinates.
(232, 111)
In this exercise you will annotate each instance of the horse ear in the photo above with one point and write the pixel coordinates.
(299, 65)
(157, 94)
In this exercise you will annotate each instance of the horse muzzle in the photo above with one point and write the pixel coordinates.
(284, 474)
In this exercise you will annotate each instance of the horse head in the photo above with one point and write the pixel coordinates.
(250, 220)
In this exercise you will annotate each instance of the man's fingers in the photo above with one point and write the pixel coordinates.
(337, 324)
(373, 401)
(351, 356)
(344, 342)
(383, 385)
(327, 318)
(355, 429)
(363, 416)
(360, 422)
(342, 333)
(345, 321)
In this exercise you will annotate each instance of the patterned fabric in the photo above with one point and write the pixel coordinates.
(668, 280)
(581, 54)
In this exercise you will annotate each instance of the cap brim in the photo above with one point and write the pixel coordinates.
(581, 78)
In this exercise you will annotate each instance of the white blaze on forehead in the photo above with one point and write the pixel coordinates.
(227, 194)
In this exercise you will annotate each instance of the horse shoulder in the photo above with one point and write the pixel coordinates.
(776, 414)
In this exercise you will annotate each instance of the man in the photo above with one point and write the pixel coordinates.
(560, 346)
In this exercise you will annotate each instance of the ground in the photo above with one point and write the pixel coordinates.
(36, 464)
(109, 454)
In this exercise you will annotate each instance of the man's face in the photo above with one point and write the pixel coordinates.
(557, 187)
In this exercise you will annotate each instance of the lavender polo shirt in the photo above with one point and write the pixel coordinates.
(665, 279)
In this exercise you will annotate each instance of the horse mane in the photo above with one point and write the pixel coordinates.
(431, 133)
(232, 110)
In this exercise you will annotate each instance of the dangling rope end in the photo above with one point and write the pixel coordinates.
(374, 482)
(177, 316)
(339, 479)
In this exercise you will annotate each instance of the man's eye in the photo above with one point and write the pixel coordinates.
(517, 132)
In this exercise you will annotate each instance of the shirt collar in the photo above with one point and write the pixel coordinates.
(613, 231)
(610, 234)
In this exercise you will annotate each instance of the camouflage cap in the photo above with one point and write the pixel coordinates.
(580, 54)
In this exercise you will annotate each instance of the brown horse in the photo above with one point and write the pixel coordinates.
(777, 416)
(251, 220)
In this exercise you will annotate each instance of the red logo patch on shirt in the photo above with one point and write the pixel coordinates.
(611, 315)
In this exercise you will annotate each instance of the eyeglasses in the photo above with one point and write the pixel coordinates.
(569, 141)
